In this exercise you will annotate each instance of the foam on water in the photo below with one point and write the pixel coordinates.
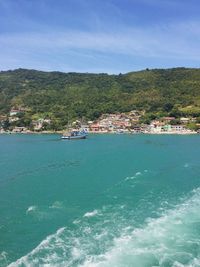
(31, 209)
(57, 205)
(134, 176)
(172, 240)
(45, 212)
(91, 214)
(71, 247)
(3, 258)
(38, 213)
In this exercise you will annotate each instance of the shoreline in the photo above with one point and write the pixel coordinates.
(101, 132)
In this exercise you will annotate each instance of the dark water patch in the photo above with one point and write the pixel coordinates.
(46, 168)
(155, 143)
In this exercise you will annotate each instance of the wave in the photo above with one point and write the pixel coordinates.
(171, 240)
(3, 258)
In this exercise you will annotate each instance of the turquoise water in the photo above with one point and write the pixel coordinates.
(109, 200)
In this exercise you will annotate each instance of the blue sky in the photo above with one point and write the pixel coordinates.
(99, 35)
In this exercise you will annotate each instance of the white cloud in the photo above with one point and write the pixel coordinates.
(180, 41)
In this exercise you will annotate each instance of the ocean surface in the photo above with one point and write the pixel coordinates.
(107, 201)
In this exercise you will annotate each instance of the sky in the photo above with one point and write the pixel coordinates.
(99, 36)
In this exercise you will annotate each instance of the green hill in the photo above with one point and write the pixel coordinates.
(67, 96)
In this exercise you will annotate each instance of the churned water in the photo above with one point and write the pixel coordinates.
(109, 200)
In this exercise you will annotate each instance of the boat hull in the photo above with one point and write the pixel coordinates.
(73, 137)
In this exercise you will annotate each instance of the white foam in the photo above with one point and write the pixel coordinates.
(57, 205)
(134, 176)
(91, 214)
(163, 241)
(31, 209)
(130, 178)
(76, 253)
(44, 213)
(76, 221)
(60, 231)
(29, 260)
(87, 230)
(3, 258)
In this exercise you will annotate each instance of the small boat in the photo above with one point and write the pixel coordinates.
(120, 131)
(74, 135)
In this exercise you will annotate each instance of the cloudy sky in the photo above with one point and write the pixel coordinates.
(99, 35)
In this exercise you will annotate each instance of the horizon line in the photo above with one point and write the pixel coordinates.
(60, 71)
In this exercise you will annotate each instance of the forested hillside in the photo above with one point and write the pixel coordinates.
(67, 96)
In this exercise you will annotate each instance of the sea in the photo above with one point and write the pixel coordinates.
(112, 200)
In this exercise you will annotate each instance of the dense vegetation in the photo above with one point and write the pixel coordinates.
(63, 97)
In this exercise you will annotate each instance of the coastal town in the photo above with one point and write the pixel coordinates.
(129, 122)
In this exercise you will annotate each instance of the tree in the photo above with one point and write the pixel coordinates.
(6, 125)
(168, 107)
(192, 126)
